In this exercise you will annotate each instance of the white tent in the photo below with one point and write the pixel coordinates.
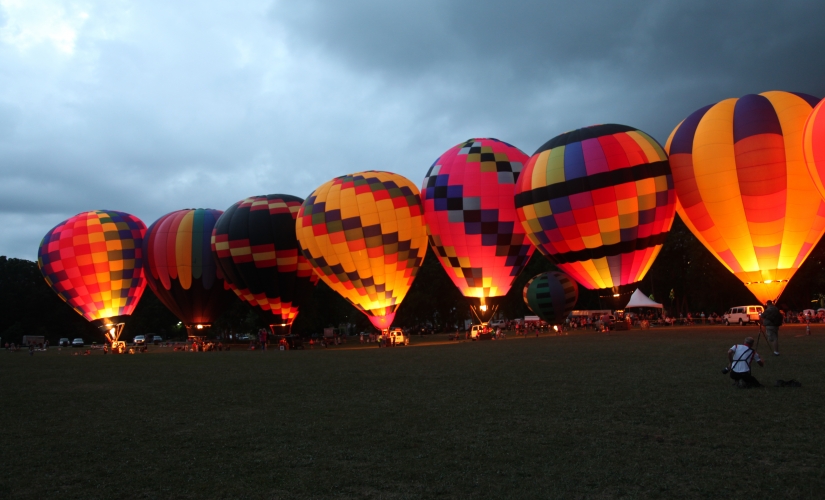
(638, 299)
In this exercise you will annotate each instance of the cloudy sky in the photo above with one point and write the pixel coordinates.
(152, 106)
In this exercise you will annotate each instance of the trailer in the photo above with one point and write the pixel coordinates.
(33, 340)
(330, 336)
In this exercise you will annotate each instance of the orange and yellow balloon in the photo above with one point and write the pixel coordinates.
(743, 187)
(364, 235)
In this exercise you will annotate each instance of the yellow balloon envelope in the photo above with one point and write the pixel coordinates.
(364, 235)
(743, 187)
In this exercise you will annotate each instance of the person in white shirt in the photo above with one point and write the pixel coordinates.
(740, 357)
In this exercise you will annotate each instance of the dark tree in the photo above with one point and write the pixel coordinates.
(28, 306)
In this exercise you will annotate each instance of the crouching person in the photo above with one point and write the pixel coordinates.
(740, 357)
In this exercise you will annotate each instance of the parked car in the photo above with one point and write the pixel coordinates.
(742, 315)
(499, 323)
(64, 342)
(78, 342)
(157, 339)
(140, 340)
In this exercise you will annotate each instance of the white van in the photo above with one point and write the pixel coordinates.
(397, 337)
(480, 332)
(742, 315)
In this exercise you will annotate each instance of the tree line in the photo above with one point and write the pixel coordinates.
(684, 278)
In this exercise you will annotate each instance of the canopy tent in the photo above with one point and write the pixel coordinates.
(638, 299)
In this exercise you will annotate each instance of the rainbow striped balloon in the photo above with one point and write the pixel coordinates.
(180, 268)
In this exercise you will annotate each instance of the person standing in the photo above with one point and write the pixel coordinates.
(740, 357)
(262, 338)
(772, 319)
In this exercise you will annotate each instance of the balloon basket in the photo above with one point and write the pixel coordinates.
(281, 329)
(484, 308)
(197, 330)
(113, 331)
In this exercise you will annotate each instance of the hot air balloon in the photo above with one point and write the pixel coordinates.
(598, 202)
(94, 262)
(472, 223)
(814, 146)
(744, 189)
(364, 235)
(180, 269)
(551, 296)
(256, 250)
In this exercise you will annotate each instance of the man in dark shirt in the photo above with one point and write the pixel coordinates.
(772, 319)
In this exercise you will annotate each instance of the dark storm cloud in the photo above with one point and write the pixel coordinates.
(647, 63)
(149, 107)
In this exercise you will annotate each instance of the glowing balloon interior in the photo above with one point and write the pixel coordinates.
(94, 262)
(364, 235)
(744, 189)
(599, 202)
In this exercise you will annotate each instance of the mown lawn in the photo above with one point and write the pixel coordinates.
(628, 415)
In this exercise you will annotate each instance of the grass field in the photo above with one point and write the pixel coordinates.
(627, 415)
